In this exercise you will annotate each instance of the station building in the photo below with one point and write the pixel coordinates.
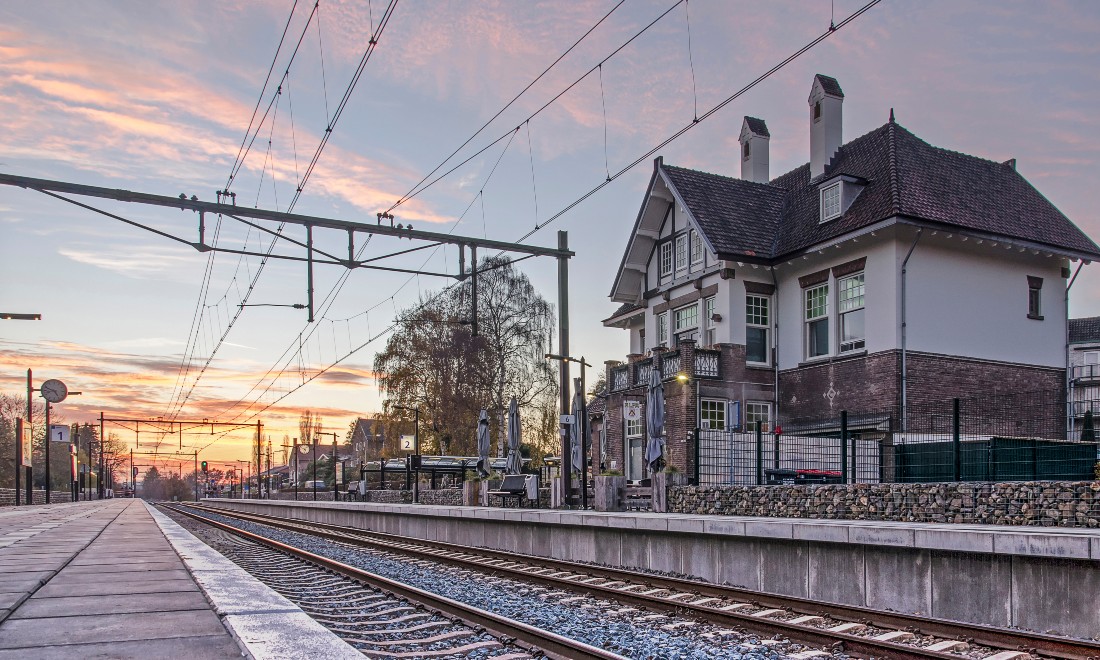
(883, 272)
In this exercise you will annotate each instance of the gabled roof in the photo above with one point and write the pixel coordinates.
(1084, 330)
(829, 85)
(757, 126)
(904, 176)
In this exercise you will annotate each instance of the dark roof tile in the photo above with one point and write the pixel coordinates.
(830, 85)
(1084, 330)
(758, 126)
(903, 175)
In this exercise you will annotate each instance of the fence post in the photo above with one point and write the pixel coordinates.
(696, 466)
(956, 441)
(843, 446)
(759, 454)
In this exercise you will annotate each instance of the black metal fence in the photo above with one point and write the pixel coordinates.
(1018, 437)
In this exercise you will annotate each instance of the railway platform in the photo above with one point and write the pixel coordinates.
(1035, 578)
(116, 578)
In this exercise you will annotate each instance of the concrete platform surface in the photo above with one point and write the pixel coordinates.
(119, 579)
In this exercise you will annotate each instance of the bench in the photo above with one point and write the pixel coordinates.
(514, 486)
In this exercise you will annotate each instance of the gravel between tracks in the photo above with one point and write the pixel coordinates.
(634, 634)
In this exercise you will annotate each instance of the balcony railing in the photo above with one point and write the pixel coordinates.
(1085, 372)
(670, 364)
(620, 378)
(708, 364)
(1081, 407)
(641, 372)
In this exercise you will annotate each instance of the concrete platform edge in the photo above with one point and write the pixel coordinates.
(264, 623)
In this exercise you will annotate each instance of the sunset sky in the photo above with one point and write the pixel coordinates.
(156, 97)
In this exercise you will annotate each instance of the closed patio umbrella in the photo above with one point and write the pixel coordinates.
(575, 458)
(514, 464)
(483, 444)
(655, 421)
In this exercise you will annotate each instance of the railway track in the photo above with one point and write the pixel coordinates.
(853, 630)
(387, 619)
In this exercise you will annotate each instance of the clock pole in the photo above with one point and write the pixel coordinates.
(47, 467)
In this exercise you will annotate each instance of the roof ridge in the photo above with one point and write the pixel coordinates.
(895, 191)
(724, 176)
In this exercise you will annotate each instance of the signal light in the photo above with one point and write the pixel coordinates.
(204, 466)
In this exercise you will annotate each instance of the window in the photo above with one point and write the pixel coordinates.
(817, 321)
(634, 428)
(662, 329)
(666, 258)
(1035, 298)
(686, 318)
(757, 411)
(817, 110)
(712, 414)
(850, 307)
(696, 248)
(708, 318)
(830, 202)
(681, 251)
(745, 149)
(756, 335)
(1092, 357)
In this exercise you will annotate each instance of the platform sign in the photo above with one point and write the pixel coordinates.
(59, 433)
(568, 419)
(632, 411)
(408, 442)
(25, 442)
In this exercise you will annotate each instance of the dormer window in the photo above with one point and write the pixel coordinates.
(830, 202)
(817, 110)
(745, 150)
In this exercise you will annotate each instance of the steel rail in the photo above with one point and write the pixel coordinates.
(1001, 638)
(508, 630)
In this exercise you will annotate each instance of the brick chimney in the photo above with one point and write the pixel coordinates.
(826, 101)
(754, 150)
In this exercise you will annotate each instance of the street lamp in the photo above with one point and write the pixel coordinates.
(584, 431)
(416, 449)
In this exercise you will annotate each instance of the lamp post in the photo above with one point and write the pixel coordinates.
(685, 379)
(415, 459)
(565, 359)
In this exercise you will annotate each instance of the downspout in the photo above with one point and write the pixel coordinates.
(1069, 370)
(775, 341)
(904, 333)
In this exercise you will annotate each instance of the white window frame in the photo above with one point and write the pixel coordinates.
(696, 248)
(662, 329)
(750, 322)
(1090, 355)
(828, 211)
(716, 408)
(633, 428)
(676, 316)
(847, 304)
(752, 409)
(708, 321)
(664, 259)
(681, 258)
(809, 318)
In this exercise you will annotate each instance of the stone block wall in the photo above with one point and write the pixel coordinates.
(7, 496)
(1040, 503)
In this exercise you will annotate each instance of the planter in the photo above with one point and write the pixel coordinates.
(609, 492)
(472, 493)
(662, 481)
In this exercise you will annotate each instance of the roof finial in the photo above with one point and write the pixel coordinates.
(891, 115)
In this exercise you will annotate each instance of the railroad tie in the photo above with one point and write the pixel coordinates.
(850, 628)
(768, 614)
(805, 655)
(735, 606)
(1008, 655)
(804, 620)
(895, 636)
(949, 645)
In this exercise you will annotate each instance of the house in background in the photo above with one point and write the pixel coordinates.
(367, 440)
(1084, 366)
(883, 273)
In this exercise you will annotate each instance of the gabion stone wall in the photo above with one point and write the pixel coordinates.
(7, 496)
(442, 497)
(1041, 503)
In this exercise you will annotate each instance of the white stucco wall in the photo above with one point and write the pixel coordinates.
(971, 300)
(880, 282)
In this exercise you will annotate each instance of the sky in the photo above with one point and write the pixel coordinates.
(157, 97)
